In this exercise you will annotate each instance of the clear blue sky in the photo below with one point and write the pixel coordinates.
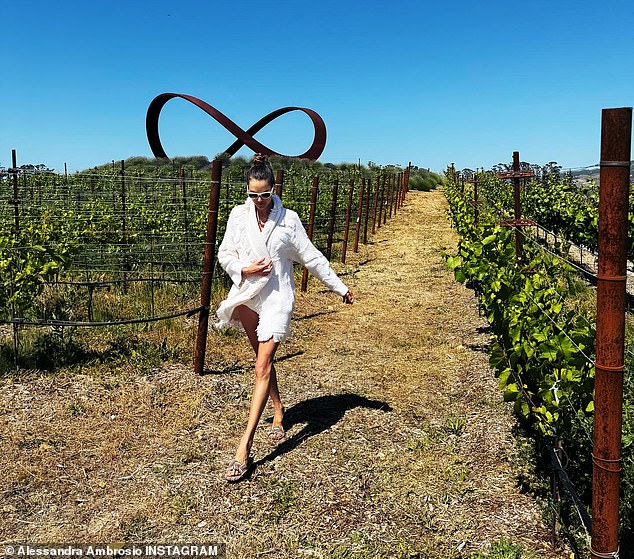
(395, 81)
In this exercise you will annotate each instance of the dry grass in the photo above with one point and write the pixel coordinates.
(399, 443)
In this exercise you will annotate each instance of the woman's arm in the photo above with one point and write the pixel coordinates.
(228, 256)
(317, 264)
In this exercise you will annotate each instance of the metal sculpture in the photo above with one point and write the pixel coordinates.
(243, 137)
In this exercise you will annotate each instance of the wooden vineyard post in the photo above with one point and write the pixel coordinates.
(616, 131)
(388, 195)
(16, 192)
(409, 167)
(517, 204)
(346, 230)
(311, 225)
(181, 174)
(376, 200)
(359, 215)
(208, 266)
(333, 216)
(124, 231)
(279, 182)
(381, 202)
(516, 175)
(475, 199)
(367, 212)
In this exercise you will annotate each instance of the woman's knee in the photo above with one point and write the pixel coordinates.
(263, 369)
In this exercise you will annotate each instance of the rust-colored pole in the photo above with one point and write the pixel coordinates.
(346, 230)
(397, 191)
(181, 174)
(386, 200)
(333, 217)
(16, 192)
(311, 224)
(616, 131)
(517, 205)
(475, 199)
(359, 215)
(124, 230)
(367, 212)
(279, 182)
(409, 167)
(375, 203)
(208, 266)
(382, 201)
(391, 194)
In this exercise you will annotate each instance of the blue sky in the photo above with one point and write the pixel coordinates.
(427, 82)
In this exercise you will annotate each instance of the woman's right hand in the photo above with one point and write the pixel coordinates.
(261, 267)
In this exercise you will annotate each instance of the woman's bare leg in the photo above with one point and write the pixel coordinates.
(265, 381)
(250, 321)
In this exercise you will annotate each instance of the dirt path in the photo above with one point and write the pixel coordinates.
(399, 444)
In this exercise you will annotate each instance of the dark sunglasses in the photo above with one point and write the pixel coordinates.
(263, 195)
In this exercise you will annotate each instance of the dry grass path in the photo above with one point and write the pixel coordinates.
(399, 444)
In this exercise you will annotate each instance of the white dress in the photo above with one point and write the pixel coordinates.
(283, 239)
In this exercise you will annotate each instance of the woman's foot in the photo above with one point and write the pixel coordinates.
(276, 433)
(241, 464)
(238, 470)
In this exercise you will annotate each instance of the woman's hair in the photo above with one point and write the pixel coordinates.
(261, 169)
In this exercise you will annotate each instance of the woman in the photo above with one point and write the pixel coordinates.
(261, 242)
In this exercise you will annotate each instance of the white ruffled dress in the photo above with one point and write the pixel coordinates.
(283, 239)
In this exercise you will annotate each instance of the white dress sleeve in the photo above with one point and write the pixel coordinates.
(228, 255)
(309, 256)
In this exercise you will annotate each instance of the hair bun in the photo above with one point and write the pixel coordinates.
(259, 159)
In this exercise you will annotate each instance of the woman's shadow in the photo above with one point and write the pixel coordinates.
(318, 414)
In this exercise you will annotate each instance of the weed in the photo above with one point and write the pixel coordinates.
(76, 408)
(504, 549)
(455, 425)
(137, 528)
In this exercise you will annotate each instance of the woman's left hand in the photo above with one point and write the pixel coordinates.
(348, 299)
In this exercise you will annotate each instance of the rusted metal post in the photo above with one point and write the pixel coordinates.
(333, 217)
(346, 230)
(475, 199)
(367, 212)
(397, 192)
(386, 200)
(181, 173)
(517, 206)
(359, 214)
(616, 131)
(409, 167)
(376, 201)
(311, 224)
(124, 230)
(16, 192)
(391, 194)
(208, 266)
(382, 201)
(279, 182)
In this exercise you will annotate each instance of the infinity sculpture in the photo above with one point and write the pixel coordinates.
(244, 138)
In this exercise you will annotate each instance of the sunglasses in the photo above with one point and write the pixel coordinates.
(262, 195)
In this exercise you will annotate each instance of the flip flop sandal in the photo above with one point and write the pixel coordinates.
(237, 470)
(276, 434)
